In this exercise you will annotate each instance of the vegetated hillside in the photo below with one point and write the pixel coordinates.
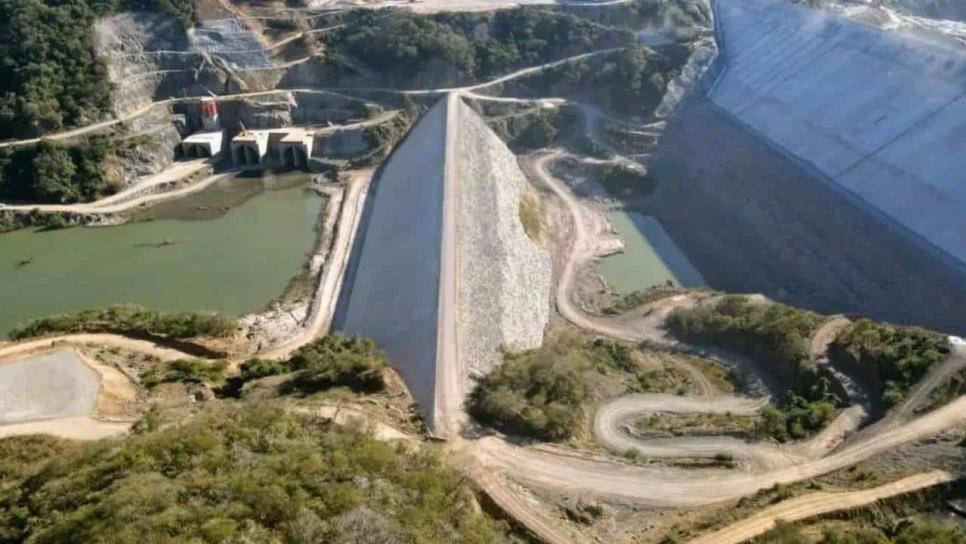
(631, 81)
(768, 331)
(238, 473)
(920, 531)
(544, 393)
(456, 47)
(50, 172)
(52, 78)
(915, 518)
(890, 358)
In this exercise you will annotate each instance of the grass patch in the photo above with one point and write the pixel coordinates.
(697, 424)
(186, 371)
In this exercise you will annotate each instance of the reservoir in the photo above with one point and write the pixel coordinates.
(650, 256)
(194, 255)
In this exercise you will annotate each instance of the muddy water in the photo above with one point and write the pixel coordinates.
(650, 257)
(232, 248)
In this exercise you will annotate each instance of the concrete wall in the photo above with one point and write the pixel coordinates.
(391, 288)
(882, 116)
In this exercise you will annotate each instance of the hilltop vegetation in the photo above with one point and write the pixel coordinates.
(769, 331)
(240, 473)
(468, 45)
(52, 76)
(891, 357)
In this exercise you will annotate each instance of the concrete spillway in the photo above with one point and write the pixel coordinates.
(880, 115)
(442, 276)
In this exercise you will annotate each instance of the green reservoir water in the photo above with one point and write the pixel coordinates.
(650, 257)
(233, 261)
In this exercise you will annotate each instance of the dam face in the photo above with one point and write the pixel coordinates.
(443, 276)
(881, 115)
(826, 168)
(391, 290)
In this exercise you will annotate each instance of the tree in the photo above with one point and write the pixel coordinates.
(53, 174)
(540, 133)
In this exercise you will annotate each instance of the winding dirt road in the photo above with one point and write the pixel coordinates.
(565, 472)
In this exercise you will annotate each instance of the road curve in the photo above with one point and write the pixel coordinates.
(681, 488)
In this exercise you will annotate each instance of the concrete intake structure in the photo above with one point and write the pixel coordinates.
(880, 115)
(443, 276)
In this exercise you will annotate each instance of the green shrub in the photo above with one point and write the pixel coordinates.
(772, 332)
(538, 393)
(930, 532)
(186, 371)
(898, 356)
(796, 417)
(337, 360)
(331, 361)
(783, 533)
(132, 319)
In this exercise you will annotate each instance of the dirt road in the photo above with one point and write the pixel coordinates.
(612, 418)
(666, 487)
(88, 129)
(112, 205)
(817, 504)
(449, 372)
(27, 347)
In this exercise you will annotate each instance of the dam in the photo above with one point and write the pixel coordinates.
(881, 115)
(824, 167)
(443, 276)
